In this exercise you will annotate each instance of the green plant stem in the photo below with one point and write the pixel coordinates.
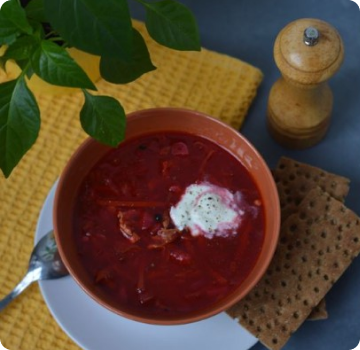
(24, 71)
(57, 38)
(50, 34)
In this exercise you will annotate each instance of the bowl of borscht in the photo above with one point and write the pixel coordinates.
(175, 225)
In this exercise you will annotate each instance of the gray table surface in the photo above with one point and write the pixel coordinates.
(246, 30)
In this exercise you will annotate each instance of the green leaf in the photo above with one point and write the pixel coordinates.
(103, 118)
(19, 123)
(120, 72)
(92, 25)
(53, 64)
(21, 49)
(35, 10)
(172, 24)
(13, 17)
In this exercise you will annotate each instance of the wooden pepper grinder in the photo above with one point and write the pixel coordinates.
(307, 52)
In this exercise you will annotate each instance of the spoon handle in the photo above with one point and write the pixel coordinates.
(25, 282)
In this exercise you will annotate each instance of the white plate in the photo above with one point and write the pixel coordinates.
(93, 327)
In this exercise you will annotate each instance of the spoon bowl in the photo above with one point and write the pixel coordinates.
(45, 264)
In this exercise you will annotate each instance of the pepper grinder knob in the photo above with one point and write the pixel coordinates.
(307, 52)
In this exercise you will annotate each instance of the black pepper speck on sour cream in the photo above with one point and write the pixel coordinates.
(209, 210)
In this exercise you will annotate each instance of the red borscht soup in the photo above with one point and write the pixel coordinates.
(168, 223)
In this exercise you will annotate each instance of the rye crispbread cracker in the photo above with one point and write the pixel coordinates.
(317, 244)
(319, 312)
(294, 180)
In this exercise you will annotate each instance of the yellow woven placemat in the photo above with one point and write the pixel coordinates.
(216, 84)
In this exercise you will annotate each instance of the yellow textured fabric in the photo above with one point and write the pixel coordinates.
(216, 84)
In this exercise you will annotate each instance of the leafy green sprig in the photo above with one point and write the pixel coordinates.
(37, 37)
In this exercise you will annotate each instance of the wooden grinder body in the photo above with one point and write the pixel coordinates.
(300, 102)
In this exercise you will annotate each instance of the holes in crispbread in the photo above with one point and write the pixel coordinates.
(274, 341)
(293, 227)
(284, 329)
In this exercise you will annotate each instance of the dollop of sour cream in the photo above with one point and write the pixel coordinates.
(208, 209)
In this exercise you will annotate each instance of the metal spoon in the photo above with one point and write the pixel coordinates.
(44, 264)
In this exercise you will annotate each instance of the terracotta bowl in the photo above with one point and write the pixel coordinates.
(154, 120)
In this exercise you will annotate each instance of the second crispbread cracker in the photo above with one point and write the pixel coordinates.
(317, 244)
(295, 179)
